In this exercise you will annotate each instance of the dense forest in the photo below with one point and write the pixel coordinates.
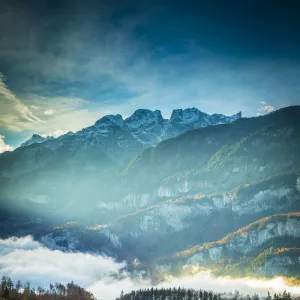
(19, 291)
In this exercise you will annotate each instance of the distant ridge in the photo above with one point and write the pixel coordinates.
(146, 127)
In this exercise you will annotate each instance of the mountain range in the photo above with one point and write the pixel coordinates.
(224, 191)
(122, 139)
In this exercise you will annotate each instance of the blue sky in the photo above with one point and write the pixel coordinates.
(64, 64)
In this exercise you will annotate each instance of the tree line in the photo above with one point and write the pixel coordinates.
(24, 291)
(71, 291)
(192, 294)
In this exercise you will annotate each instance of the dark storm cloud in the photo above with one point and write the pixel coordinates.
(117, 56)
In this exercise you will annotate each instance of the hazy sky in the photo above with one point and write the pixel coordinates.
(66, 63)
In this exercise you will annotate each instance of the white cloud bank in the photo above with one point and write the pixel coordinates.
(26, 259)
(3, 146)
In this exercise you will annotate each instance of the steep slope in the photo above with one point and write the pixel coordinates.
(247, 250)
(201, 218)
(55, 175)
(193, 219)
(220, 157)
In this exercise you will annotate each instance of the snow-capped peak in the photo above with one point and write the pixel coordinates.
(144, 128)
(70, 133)
(222, 119)
(187, 116)
(36, 138)
(111, 120)
(144, 117)
(236, 116)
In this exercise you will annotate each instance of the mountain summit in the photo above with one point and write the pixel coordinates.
(36, 139)
(144, 128)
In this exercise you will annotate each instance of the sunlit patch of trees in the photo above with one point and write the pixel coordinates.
(24, 291)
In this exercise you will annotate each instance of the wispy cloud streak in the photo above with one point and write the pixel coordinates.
(14, 114)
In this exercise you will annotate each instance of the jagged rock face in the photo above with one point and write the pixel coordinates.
(245, 242)
(264, 200)
(168, 217)
(36, 139)
(123, 139)
(190, 116)
(112, 136)
(173, 216)
(64, 241)
(76, 238)
(132, 201)
(110, 120)
(144, 118)
(183, 187)
(194, 118)
(279, 265)
(147, 126)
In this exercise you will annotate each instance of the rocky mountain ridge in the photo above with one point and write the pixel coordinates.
(194, 188)
(36, 139)
(144, 128)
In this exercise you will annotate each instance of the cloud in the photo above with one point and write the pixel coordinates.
(228, 284)
(49, 112)
(26, 259)
(35, 107)
(3, 146)
(14, 114)
(58, 133)
(66, 114)
(264, 108)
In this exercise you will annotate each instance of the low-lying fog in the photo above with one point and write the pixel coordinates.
(28, 260)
